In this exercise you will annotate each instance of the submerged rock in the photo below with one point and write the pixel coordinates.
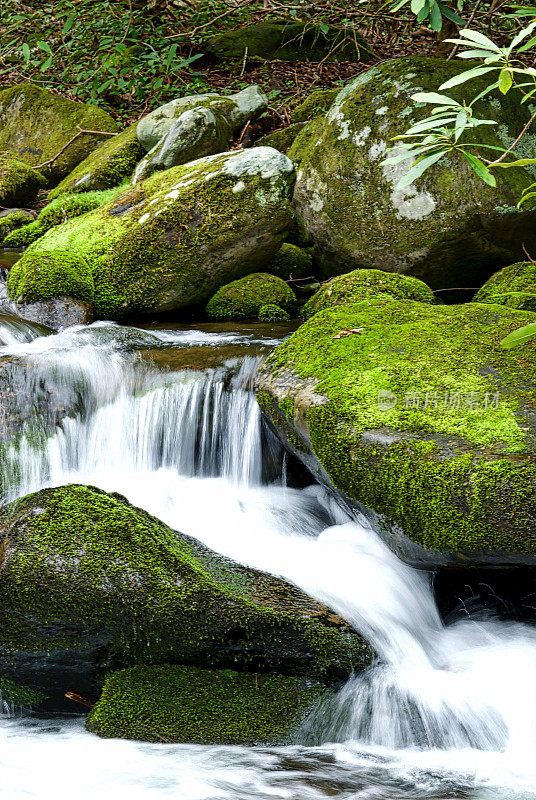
(185, 704)
(514, 286)
(289, 41)
(107, 166)
(19, 183)
(36, 124)
(449, 228)
(415, 412)
(243, 299)
(89, 583)
(173, 240)
(364, 283)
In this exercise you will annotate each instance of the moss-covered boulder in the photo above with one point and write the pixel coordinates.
(243, 299)
(60, 210)
(290, 262)
(107, 166)
(89, 583)
(289, 41)
(186, 704)
(415, 412)
(315, 105)
(273, 313)
(15, 698)
(10, 222)
(364, 283)
(514, 286)
(282, 139)
(449, 228)
(19, 183)
(35, 125)
(174, 239)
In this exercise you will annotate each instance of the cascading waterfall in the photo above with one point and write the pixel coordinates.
(445, 709)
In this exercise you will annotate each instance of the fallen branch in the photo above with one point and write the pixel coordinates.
(81, 132)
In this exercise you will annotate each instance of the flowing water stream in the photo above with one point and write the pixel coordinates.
(446, 712)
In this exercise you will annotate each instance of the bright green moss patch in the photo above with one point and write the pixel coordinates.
(12, 222)
(316, 104)
(272, 313)
(184, 704)
(243, 299)
(290, 262)
(42, 276)
(19, 183)
(513, 286)
(108, 166)
(364, 283)
(18, 696)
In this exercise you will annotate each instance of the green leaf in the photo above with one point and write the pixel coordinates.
(522, 35)
(417, 5)
(68, 24)
(323, 27)
(436, 19)
(479, 38)
(418, 168)
(522, 335)
(505, 81)
(26, 52)
(433, 97)
(466, 76)
(521, 162)
(451, 15)
(481, 170)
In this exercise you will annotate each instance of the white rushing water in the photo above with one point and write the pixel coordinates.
(445, 712)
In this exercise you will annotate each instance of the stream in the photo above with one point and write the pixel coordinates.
(167, 417)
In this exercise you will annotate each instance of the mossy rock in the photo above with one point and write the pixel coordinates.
(89, 583)
(60, 210)
(364, 283)
(514, 286)
(19, 183)
(14, 697)
(36, 124)
(273, 313)
(43, 276)
(290, 262)
(449, 228)
(244, 298)
(107, 166)
(282, 139)
(189, 705)
(12, 222)
(289, 41)
(317, 104)
(415, 412)
(171, 241)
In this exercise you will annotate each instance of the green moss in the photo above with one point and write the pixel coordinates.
(273, 313)
(12, 222)
(176, 224)
(19, 183)
(283, 139)
(35, 124)
(107, 166)
(315, 105)
(243, 299)
(82, 565)
(514, 286)
(184, 704)
(450, 457)
(42, 276)
(59, 211)
(19, 696)
(290, 262)
(306, 140)
(364, 283)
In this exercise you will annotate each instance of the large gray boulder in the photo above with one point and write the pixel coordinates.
(449, 228)
(172, 240)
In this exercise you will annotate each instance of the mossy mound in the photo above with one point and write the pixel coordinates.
(290, 262)
(107, 166)
(43, 276)
(171, 241)
(288, 41)
(318, 103)
(283, 139)
(64, 208)
(19, 183)
(244, 298)
(89, 583)
(12, 222)
(36, 124)
(416, 412)
(16, 697)
(348, 200)
(364, 283)
(514, 286)
(185, 704)
(273, 313)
